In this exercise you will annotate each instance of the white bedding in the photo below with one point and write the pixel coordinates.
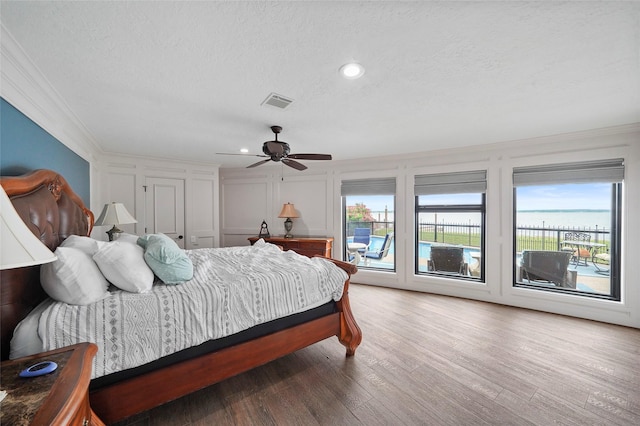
(232, 289)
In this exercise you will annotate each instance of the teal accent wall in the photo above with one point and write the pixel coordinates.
(25, 146)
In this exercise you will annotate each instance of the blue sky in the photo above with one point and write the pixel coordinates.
(596, 196)
(375, 203)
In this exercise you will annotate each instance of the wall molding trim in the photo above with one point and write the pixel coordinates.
(25, 87)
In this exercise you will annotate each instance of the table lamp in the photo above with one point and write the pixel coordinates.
(19, 246)
(114, 214)
(288, 211)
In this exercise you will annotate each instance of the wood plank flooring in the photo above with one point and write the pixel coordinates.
(434, 360)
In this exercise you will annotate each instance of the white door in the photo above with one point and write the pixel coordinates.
(165, 208)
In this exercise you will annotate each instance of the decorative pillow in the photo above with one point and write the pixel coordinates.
(86, 244)
(167, 260)
(122, 263)
(142, 241)
(74, 278)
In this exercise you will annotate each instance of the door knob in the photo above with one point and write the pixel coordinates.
(180, 237)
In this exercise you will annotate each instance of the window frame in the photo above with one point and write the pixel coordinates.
(601, 171)
(384, 187)
(453, 208)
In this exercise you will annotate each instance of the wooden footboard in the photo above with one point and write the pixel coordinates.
(124, 399)
(350, 334)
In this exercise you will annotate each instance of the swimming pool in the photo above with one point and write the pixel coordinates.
(424, 248)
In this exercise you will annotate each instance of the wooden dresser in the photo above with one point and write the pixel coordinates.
(58, 398)
(306, 246)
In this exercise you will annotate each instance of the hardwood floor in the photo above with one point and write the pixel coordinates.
(435, 360)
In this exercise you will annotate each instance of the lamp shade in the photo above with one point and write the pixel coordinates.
(114, 214)
(19, 247)
(288, 210)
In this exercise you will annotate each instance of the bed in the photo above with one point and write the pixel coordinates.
(55, 213)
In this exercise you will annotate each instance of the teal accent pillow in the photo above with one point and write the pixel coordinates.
(142, 241)
(168, 261)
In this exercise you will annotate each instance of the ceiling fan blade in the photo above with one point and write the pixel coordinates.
(294, 164)
(259, 163)
(310, 156)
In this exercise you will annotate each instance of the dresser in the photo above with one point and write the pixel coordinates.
(58, 398)
(309, 246)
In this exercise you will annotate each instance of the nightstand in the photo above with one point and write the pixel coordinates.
(58, 398)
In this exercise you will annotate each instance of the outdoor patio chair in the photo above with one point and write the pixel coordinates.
(602, 257)
(362, 236)
(579, 252)
(448, 259)
(549, 266)
(382, 252)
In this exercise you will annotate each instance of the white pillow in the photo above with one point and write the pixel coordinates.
(86, 244)
(130, 238)
(122, 263)
(26, 340)
(74, 278)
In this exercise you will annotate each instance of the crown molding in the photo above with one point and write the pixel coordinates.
(24, 86)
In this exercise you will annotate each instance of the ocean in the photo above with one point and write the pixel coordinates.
(578, 219)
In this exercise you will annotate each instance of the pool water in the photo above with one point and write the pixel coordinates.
(424, 248)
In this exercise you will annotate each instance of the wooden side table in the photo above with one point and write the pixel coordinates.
(308, 246)
(58, 398)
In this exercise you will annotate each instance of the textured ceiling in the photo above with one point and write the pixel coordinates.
(186, 79)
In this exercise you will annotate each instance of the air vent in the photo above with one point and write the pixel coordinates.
(277, 101)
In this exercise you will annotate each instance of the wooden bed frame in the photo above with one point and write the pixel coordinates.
(53, 212)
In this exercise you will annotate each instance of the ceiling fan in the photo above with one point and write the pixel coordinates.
(279, 151)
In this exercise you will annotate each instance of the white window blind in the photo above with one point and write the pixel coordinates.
(378, 186)
(583, 172)
(451, 183)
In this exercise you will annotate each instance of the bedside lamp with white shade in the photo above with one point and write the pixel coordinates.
(288, 211)
(114, 214)
(19, 246)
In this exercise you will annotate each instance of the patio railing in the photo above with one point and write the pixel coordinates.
(550, 238)
(527, 237)
(450, 233)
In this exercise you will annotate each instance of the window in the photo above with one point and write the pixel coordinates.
(450, 224)
(369, 217)
(567, 228)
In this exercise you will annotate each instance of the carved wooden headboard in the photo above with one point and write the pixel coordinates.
(52, 211)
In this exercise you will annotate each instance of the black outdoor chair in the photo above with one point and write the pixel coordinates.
(548, 266)
(448, 259)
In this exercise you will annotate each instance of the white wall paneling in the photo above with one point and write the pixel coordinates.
(246, 203)
(120, 187)
(124, 177)
(204, 212)
(314, 211)
(250, 198)
(246, 206)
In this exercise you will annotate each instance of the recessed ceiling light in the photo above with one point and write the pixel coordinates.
(352, 71)
(244, 150)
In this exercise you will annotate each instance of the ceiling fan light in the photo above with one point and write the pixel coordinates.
(352, 70)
